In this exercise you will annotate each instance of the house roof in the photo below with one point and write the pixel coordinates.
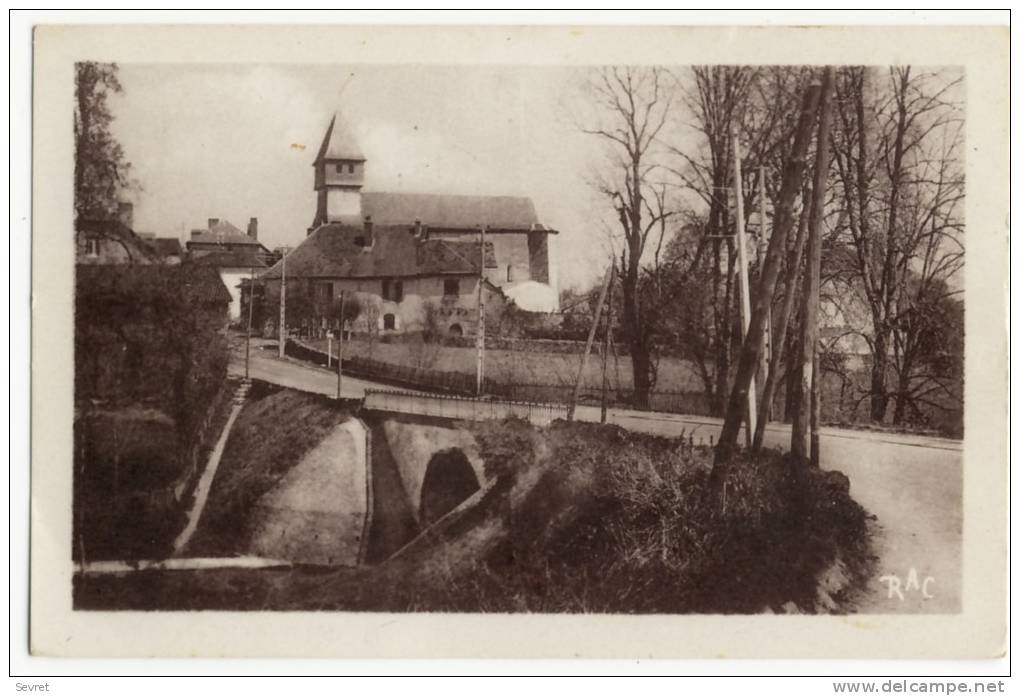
(450, 211)
(332, 251)
(221, 233)
(247, 257)
(339, 143)
(167, 246)
(137, 248)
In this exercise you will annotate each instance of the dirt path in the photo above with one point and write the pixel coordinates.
(209, 473)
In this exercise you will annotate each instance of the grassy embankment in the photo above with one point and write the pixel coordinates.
(272, 433)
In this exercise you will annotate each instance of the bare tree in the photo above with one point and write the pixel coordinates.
(632, 106)
(896, 150)
(716, 100)
(762, 105)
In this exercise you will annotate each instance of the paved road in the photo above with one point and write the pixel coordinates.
(288, 372)
(913, 484)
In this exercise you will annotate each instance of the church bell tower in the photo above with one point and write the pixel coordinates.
(339, 176)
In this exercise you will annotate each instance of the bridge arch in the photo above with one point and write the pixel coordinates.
(449, 480)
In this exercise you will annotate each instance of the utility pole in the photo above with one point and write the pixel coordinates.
(340, 351)
(480, 332)
(766, 361)
(745, 292)
(587, 346)
(247, 336)
(605, 343)
(283, 303)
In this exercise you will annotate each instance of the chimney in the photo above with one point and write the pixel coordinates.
(126, 214)
(212, 222)
(253, 228)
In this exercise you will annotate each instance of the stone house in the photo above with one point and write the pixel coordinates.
(403, 281)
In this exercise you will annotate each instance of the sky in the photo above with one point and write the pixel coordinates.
(238, 141)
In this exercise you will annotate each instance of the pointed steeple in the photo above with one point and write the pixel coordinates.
(339, 143)
(339, 175)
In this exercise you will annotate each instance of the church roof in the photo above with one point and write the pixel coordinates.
(333, 251)
(339, 143)
(450, 211)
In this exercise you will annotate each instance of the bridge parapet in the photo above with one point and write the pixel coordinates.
(461, 407)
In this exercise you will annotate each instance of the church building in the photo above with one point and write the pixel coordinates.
(415, 259)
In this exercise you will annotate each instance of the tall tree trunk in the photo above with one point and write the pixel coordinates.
(816, 410)
(750, 351)
(902, 393)
(782, 323)
(724, 334)
(800, 444)
(879, 368)
(640, 360)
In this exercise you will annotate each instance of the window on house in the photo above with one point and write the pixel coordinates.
(350, 168)
(451, 286)
(340, 168)
(386, 289)
(389, 322)
(398, 291)
(92, 246)
(509, 274)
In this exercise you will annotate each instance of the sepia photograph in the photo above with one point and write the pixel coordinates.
(578, 338)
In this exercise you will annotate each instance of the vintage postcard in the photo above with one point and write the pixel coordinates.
(519, 341)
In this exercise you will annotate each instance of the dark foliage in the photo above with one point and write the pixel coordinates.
(150, 371)
(100, 168)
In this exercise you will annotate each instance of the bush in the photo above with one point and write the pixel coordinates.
(150, 334)
(625, 523)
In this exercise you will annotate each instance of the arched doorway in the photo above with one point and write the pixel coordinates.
(449, 480)
(456, 331)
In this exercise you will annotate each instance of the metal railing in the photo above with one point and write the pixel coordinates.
(462, 407)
